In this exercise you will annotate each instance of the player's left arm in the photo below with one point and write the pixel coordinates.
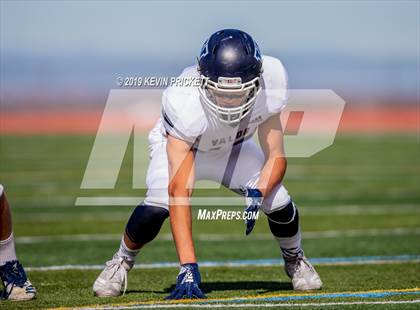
(270, 135)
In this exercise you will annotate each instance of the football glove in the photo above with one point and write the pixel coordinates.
(187, 283)
(254, 200)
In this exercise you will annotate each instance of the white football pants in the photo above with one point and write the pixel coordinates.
(234, 168)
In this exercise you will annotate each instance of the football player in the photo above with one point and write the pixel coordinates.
(16, 284)
(205, 133)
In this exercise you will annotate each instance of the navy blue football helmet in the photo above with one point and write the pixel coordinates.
(230, 65)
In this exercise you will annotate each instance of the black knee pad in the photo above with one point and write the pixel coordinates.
(284, 222)
(145, 223)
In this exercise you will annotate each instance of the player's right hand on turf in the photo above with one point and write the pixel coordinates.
(187, 283)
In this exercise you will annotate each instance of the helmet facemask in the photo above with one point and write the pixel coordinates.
(229, 99)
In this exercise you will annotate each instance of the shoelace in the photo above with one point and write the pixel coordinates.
(297, 262)
(115, 265)
(13, 273)
(300, 260)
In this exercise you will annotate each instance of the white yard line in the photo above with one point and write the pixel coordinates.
(333, 261)
(398, 231)
(254, 305)
(78, 237)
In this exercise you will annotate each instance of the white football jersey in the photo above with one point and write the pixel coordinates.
(185, 117)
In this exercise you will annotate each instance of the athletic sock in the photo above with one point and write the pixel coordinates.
(7, 250)
(126, 253)
(290, 247)
(284, 225)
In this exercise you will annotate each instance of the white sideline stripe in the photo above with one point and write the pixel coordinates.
(359, 210)
(255, 305)
(399, 231)
(253, 263)
(317, 234)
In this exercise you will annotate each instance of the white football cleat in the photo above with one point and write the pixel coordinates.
(20, 293)
(110, 281)
(303, 274)
(17, 287)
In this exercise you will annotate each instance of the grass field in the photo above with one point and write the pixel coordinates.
(359, 199)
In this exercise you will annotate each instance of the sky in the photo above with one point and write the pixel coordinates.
(358, 48)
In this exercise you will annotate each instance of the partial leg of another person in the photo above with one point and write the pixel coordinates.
(13, 276)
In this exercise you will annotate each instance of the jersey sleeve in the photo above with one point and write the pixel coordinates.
(276, 88)
(182, 115)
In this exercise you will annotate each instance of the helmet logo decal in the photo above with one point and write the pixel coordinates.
(257, 52)
(205, 49)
